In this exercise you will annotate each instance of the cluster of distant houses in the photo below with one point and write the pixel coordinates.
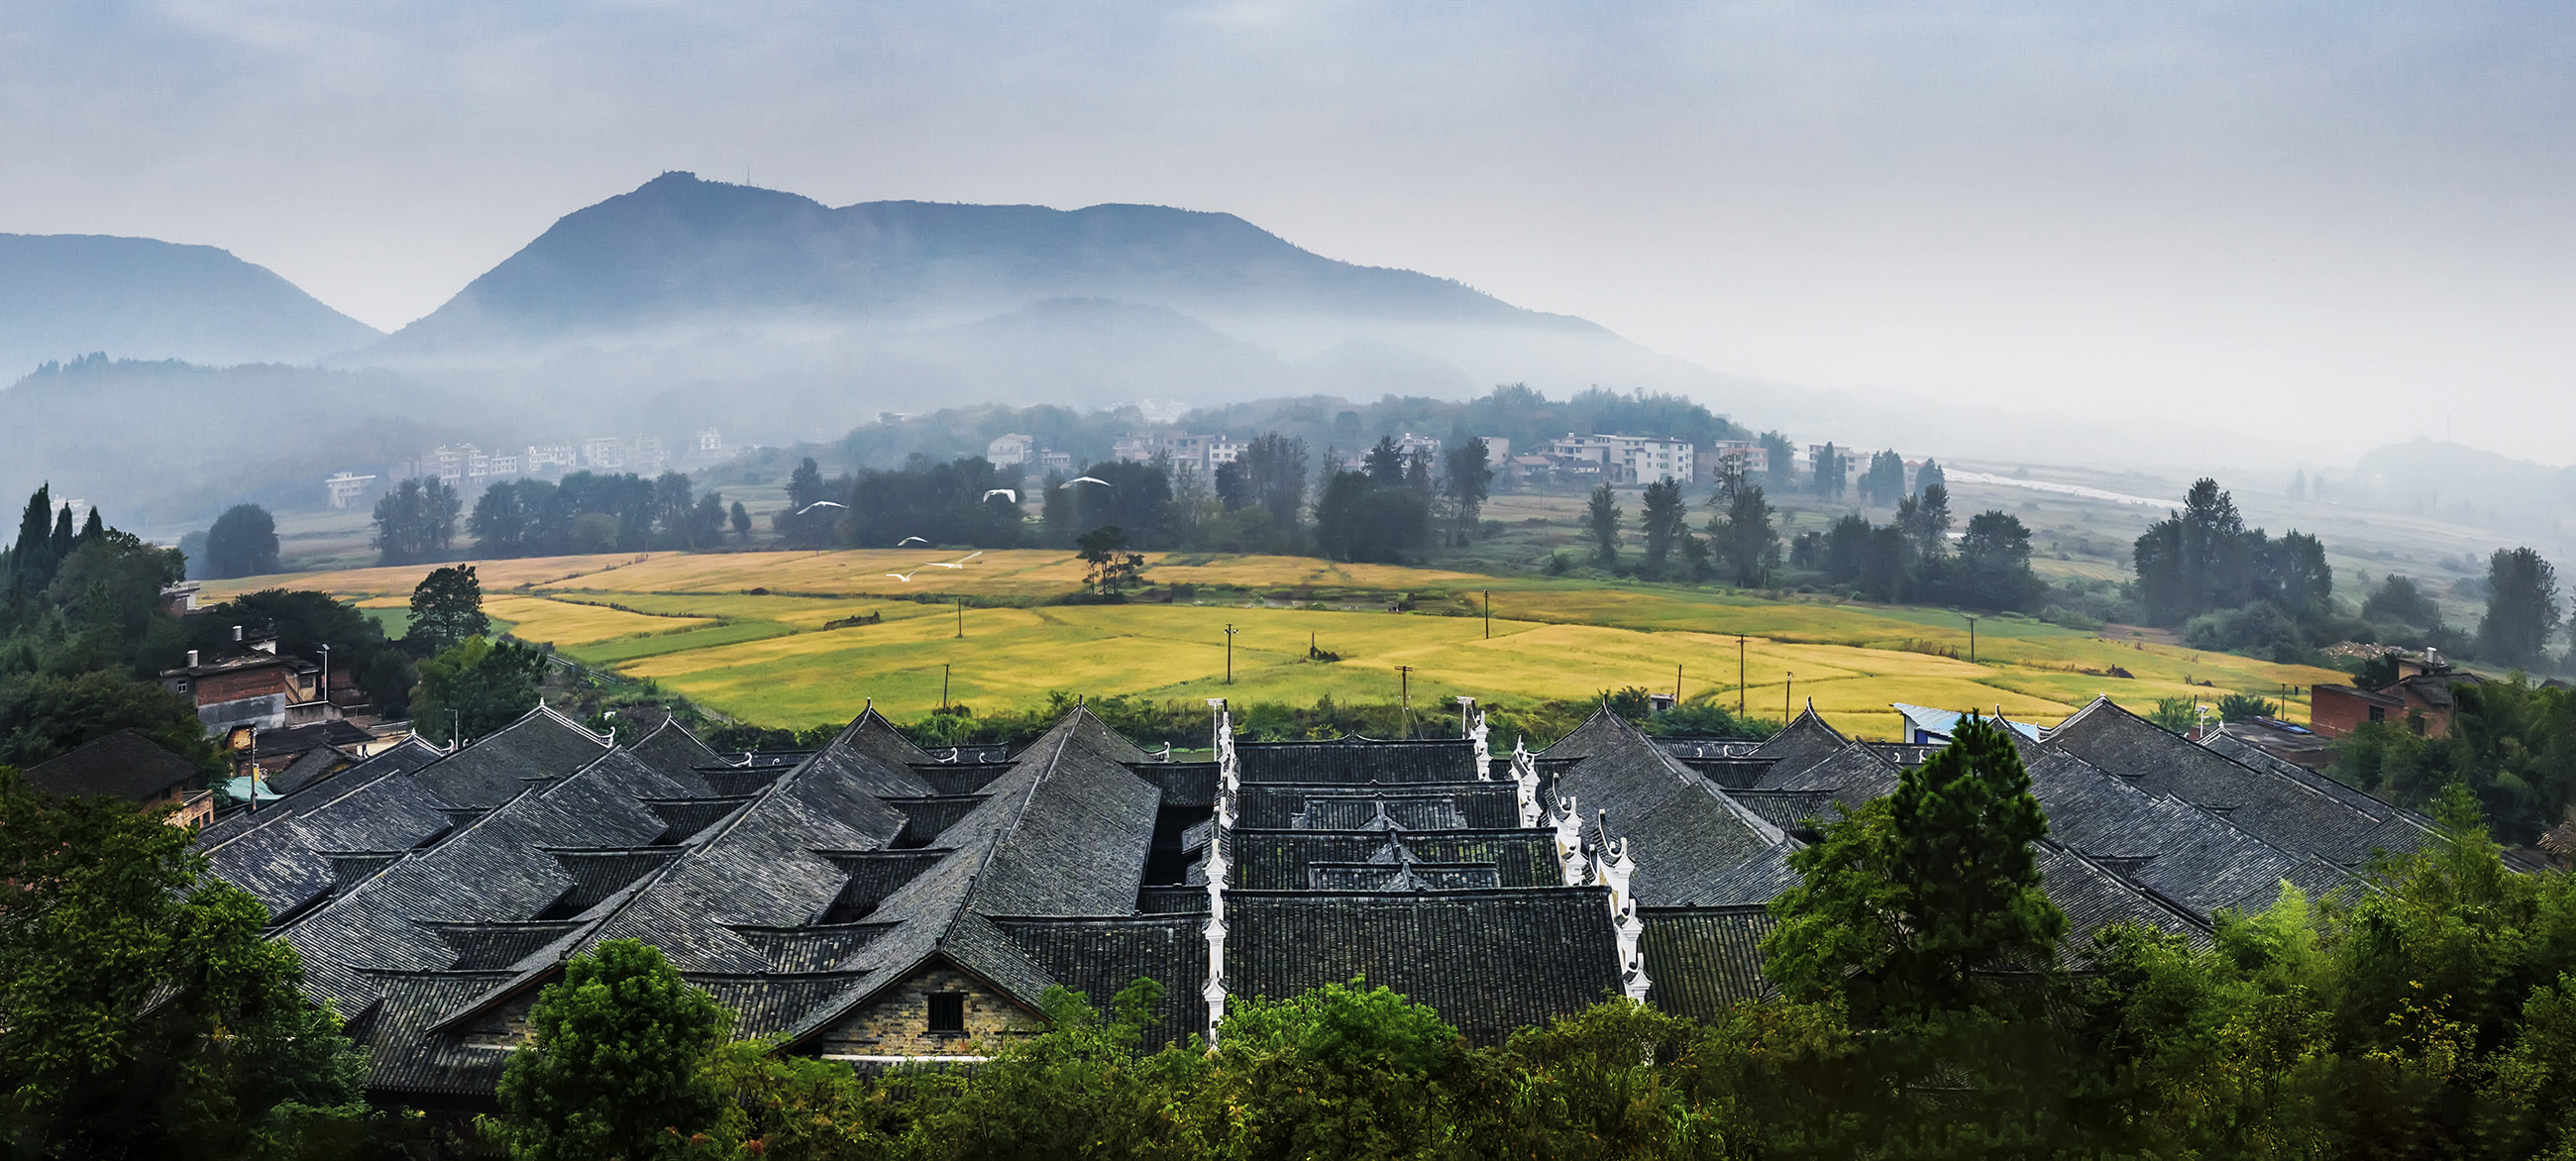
(283, 721)
(1578, 458)
(468, 467)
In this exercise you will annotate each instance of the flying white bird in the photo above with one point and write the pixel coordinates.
(960, 562)
(905, 577)
(819, 504)
(910, 540)
(1086, 480)
(1011, 493)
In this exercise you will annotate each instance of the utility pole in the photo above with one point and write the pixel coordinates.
(961, 624)
(326, 673)
(1489, 614)
(943, 685)
(1790, 682)
(1404, 695)
(1677, 684)
(1229, 654)
(1972, 637)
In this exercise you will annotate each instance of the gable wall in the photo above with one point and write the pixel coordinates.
(898, 1022)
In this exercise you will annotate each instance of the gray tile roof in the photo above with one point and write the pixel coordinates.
(1688, 836)
(2288, 811)
(1488, 961)
(433, 894)
(124, 764)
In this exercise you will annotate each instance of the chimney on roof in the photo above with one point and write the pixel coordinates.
(192, 659)
(237, 634)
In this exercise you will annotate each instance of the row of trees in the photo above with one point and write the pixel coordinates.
(1909, 558)
(593, 512)
(1929, 1003)
(1389, 508)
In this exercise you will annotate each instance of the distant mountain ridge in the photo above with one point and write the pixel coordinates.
(66, 295)
(680, 251)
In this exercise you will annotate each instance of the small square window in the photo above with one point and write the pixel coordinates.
(2378, 714)
(948, 1014)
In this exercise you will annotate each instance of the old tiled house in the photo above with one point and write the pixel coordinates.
(874, 901)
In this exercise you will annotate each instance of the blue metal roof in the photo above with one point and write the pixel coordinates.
(1924, 724)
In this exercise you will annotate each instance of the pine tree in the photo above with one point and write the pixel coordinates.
(1601, 519)
(1910, 895)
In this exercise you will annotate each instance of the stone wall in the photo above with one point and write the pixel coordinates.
(898, 1023)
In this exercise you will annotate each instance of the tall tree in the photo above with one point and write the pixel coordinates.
(31, 557)
(1274, 468)
(741, 522)
(475, 688)
(447, 608)
(1910, 895)
(615, 1066)
(1781, 471)
(1994, 563)
(2193, 561)
(243, 542)
(2522, 608)
(1883, 484)
(1467, 480)
(1740, 531)
(1665, 520)
(417, 520)
(1831, 472)
(1601, 522)
(1384, 463)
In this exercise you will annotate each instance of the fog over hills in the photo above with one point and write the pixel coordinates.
(778, 314)
(66, 295)
(689, 303)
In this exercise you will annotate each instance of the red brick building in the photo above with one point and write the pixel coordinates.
(2420, 697)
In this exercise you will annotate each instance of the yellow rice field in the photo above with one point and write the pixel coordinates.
(765, 637)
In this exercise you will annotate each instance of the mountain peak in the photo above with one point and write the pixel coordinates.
(66, 295)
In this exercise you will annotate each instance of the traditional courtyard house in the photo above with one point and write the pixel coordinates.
(875, 902)
(130, 766)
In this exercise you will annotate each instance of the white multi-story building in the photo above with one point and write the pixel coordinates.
(1010, 450)
(1631, 458)
(345, 487)
(1743, 455)
(551, 457)
(604, 453)
(649, 458)
(710, 442)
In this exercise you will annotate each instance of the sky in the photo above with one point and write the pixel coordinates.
(2327, 224)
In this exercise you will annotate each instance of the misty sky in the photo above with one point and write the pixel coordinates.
(2349, 222)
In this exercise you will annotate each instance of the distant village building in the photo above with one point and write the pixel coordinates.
(346, 486)
(605, 453)
(1410, 445)
(253, 687)
(127, 765)
(1629, 459)
(1051, 462)
(1737, 455)
(710, 442)
(551, 457)
(1187, 451)
(2421, 698)
(1007, 451)
(649, 457)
